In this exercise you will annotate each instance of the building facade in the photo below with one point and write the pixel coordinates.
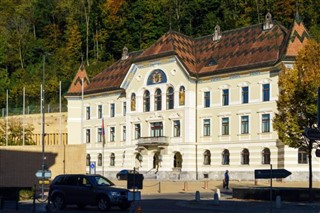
(190, 108)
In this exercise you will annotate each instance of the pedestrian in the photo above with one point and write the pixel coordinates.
(226, 180)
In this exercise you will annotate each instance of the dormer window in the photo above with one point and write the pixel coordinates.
(217, 33)
(268, 24)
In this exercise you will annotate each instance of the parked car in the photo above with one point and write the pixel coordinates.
(123, 174)
(83, 190)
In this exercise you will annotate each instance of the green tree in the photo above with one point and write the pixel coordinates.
(15, 132)
(297, 104)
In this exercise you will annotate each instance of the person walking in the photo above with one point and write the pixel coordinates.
(226, 180)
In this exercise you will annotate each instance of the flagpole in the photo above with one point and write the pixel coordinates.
(60, 132)
(23, 112)
(81, 111)
(7, 112)
(103, 143)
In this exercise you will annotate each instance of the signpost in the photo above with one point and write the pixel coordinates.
(271, 173)
(47, 174)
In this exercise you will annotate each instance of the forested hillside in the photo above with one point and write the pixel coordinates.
(68, 32)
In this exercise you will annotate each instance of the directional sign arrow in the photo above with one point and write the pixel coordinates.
(268, 173)
(313, 134)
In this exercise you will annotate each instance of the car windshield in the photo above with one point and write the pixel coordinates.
(100, 181)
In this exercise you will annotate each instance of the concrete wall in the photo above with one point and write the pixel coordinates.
(18, 164)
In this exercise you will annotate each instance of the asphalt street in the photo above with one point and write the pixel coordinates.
(184, 203)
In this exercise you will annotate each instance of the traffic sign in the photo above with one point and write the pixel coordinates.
(46, 174)
(312, 134)
(92, 165)
(268, 173)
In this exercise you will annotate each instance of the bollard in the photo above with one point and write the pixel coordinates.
(215, 199)
(219, 194)
(159, 187)
(185, 186)
(278, 202)
(205, 184)
(197, 196)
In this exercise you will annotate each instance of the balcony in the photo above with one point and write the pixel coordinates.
(153, 142)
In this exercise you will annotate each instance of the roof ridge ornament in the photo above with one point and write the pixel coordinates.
(125, 54)
(268, 23)
(217, 33)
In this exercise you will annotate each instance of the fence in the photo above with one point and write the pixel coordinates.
(34, 109)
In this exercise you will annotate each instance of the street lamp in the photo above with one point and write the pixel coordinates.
(43, 126)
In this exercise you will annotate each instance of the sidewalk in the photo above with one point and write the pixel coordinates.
(156, 186)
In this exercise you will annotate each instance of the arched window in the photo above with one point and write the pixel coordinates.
(170, 98)
(133, 102)
(157, 100)
(245, 157)
(100, 159)
(177, 161)
(207, 158)
(265, 156)
(112, 159)
(146, 101)
(302, 156)
(225, 157)
(88, 159)
(182, 96)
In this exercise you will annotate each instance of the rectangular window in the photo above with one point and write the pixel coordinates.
(225, 126)
(99, 134)
(112, 110)
(206, 99)
(206, 127)
(88, 113)
(124, 108)
(156, 129)
(245, 95)
(87, 135)
(302, 157)
(266, 92)
(124, 133)
(112, 134)
(137, 131)
(265, 123)
(225, 97)
(176, 128)
(244, 124)
(99, 111)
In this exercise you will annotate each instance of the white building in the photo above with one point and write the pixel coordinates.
(190, 108)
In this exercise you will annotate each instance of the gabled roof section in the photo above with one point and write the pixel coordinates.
(112, 77)
(242, 48)
(299, 36)
(76, 85)
(172, 43)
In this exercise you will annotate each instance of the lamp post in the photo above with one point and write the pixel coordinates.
(43, 126)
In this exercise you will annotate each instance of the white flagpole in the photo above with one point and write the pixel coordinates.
(23, 112)
(7, 127)
(82, 111)
(60, 138)
(41, 119)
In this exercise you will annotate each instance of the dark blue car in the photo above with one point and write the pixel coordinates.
(123, 174)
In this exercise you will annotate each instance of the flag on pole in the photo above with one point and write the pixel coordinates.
(102, 133)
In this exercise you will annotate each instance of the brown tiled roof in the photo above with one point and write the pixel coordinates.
(112, 77)
(239, 49)
(298, 38)
(75, 87)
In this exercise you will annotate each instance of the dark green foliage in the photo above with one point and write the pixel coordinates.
(30, 29)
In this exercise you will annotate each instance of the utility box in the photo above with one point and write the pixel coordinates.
(135, 181)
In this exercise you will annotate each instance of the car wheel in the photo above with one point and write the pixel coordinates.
(124, 206)
(59, 201)
(103, 203)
